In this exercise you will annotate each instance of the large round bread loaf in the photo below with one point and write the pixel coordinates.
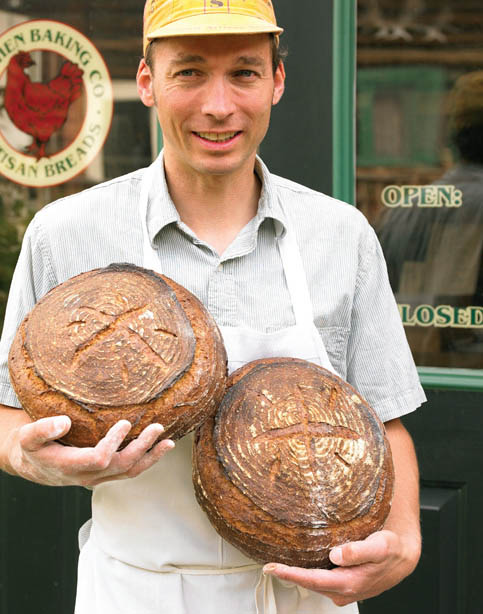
(117, 343)
(294, 463)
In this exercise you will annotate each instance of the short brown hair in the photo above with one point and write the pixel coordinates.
(278, 54)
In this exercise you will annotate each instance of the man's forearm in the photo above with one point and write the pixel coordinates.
(11, 419)
(404, 516)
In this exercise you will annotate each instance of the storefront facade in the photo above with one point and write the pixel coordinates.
(382, 104)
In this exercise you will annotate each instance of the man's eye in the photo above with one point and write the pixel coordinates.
(187, 72)
(246, 73)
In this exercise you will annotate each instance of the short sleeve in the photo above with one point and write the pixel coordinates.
(33, 277)
(379, 361)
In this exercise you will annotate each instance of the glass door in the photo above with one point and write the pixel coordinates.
(420, 167)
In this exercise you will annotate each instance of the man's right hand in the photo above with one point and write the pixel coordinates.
(30, 451)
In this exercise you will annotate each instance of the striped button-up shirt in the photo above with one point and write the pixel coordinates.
(354, 308)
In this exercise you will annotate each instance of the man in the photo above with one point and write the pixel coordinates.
(283, 269)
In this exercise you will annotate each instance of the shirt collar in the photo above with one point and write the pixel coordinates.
(162, 211)
(269, 204)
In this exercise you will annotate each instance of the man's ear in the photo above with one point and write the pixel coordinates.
(144, 80)
(279, 83)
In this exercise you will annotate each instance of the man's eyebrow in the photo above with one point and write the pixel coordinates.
(183, 58)
(245, 60)
(252, 60)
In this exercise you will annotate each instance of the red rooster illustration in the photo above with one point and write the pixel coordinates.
(40, 109)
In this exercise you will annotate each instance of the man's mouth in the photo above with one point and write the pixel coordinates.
(217, 137)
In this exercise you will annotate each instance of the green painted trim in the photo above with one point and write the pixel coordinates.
(451, 379)
(343, 100)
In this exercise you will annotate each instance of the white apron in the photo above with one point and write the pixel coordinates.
(150, 549)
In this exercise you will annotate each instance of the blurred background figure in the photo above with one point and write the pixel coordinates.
(434, 254)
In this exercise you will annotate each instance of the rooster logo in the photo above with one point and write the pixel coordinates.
(52, 128)
(40, 109)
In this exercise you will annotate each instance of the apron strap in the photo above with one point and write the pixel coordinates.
(299, 292)
(295, 276)
(265, 596)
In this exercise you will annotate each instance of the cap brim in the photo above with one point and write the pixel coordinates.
(215, 23)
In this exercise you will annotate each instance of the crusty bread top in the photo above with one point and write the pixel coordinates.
(300, 443)
(111, 336)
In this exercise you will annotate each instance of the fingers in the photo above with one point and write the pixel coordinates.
(34, 435)
(340, 585)
(106, 463)
(73, 461)
(309, 578)
(141, 451)
(109, 444)
(138, 462)
(151, 457)
(56, 464)
(333, 584)
(374, 549)
(143, 442)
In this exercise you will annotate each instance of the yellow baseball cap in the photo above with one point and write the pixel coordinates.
(164, 18)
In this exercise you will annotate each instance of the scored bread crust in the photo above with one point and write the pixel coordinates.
(257, 516)
(182, 402)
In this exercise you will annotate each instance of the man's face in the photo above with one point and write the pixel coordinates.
(213, 95)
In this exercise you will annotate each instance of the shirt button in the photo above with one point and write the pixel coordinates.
(220, 267)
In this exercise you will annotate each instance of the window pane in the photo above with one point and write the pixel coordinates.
(54, 140)
(420, 166)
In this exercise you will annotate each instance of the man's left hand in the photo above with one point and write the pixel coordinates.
(366, 568)
(369, 567)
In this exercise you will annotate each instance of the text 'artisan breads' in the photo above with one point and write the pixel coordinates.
(294, 463)
(118, 343)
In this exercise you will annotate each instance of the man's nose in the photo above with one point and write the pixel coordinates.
(218, 99)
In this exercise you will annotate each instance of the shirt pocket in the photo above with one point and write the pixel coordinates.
(335, 339)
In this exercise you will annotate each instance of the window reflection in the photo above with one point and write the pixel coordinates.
(420, 167)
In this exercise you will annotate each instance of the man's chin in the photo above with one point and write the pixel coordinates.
(221, 166)
(214, 164)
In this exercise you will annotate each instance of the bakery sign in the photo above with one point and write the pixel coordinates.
(51, 128)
